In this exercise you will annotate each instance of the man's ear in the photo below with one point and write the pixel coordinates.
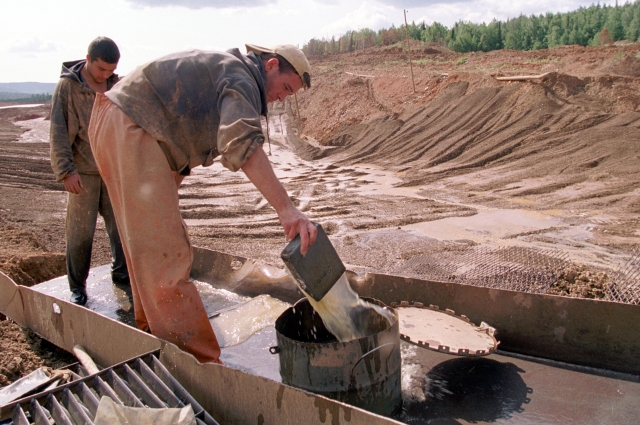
(88, 58)
(272, 63)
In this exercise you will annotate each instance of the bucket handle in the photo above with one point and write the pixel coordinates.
(274, 350)
(369, 352)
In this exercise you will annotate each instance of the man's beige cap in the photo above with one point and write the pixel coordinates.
(291, 53)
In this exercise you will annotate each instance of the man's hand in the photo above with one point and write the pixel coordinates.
(73, 184)
(294, 223)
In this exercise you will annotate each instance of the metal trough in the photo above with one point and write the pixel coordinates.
(562, 360)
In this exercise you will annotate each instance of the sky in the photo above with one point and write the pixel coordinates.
(36, 36)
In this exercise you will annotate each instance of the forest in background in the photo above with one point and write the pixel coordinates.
(594, 25)
(24, 97)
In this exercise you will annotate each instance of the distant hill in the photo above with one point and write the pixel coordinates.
(26, 92)
(27, 88)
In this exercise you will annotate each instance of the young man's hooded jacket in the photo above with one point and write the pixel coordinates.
(70, 113)
(198, 105)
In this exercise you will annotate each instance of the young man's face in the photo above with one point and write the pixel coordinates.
(280, 85)
(100, 70)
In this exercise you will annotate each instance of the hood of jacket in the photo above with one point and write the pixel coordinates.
(72, 70)
(255, 65)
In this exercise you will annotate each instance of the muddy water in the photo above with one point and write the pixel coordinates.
(521, 226)
(37, 130)
(346, 315)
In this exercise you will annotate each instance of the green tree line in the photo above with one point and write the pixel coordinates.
(593, 25)
(23, 98)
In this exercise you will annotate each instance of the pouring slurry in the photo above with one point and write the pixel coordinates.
(321, 277)
(333, 342)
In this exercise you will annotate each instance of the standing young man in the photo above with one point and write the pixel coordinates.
(73, 163)
(163, 119)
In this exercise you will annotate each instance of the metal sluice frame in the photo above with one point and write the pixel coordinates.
(140, 382)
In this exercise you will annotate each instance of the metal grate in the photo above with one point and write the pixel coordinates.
(140, 382)
(511, 268)
(624, 283)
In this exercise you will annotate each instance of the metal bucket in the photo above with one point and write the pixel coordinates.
(364, 372)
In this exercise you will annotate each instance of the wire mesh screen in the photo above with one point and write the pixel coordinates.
(624, 283)
(511, 268)
(519, 269)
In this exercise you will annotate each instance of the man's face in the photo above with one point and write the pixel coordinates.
(99, 69)
(280, 85)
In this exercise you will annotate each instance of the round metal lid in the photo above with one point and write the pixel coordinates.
(443, 331)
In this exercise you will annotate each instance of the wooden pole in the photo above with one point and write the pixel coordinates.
(297, 107)
(406, 27)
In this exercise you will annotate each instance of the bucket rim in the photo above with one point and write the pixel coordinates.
(395, 324)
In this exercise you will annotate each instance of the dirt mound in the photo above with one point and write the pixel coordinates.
(34, 269)
(23, 352)
(579, 282)
(24, 259)
(17, 113)
(569, 140)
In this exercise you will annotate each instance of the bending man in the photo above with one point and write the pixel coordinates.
(163, 119)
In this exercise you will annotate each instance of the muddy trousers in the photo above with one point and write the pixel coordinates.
(144, 196)
(82, 213)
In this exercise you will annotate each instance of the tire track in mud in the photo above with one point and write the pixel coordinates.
(350, 202)
(550, 144)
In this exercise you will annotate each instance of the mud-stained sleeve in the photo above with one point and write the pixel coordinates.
(62, 131)
(240, 131)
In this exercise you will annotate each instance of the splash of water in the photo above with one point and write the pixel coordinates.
(347, 316)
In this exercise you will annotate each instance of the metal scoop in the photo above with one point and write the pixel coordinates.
(319, 270)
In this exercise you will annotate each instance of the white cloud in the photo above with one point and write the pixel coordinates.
(367, 15)
(419, 3)
(199, 4)
(31, 46)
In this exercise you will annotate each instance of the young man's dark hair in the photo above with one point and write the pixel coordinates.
(104, 48)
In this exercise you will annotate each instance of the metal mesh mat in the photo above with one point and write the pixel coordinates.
(624, 283)
(517, 269)
(511, 268)
(140, 382)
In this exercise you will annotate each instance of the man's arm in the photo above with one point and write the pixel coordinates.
(258, 169)
(60, 137)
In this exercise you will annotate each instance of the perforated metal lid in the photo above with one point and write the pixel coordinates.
(443, 331)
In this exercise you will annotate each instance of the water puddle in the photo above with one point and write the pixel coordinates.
(30, 105)
(487, 225)
(37, 131)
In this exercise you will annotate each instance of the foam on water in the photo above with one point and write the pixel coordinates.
(237, 324)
